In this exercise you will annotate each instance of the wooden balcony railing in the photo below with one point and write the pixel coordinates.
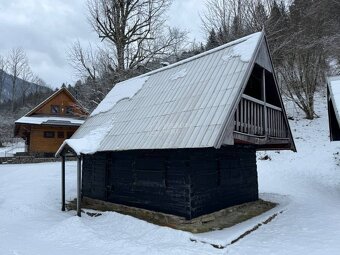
(255, 117)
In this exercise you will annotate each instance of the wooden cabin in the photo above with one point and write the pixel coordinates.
(333, 102)
(183, 139)
(46, 126)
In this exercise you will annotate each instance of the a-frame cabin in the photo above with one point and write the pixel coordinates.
(183, 139)
(46, 126)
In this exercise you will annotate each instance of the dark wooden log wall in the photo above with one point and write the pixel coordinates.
(183, 182)
(223, 178)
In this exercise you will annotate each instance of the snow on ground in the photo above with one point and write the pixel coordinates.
(307, 182)
(10, 149)
(31, 222)
(308, 185)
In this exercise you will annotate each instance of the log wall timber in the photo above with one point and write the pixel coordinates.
(187, 183)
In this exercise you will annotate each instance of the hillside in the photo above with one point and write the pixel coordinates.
(7, 90)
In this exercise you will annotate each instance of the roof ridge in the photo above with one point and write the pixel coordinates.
(200, 55)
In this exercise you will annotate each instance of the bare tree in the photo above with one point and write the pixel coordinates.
(3, 68)
(218, 16)
(302, 73)
(26, 85)
(91, 65)
(232, 19)
(84, 60)
(17, 64)
(303, 38)
(131, 26)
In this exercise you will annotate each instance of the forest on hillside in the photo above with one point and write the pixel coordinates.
(20, 89)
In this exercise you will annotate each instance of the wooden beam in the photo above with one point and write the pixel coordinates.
(79, 186)
(255, 100)
(63, 182)
(265, 102)
(241, 138)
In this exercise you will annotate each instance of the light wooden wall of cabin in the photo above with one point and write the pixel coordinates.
(63, 100)
(40, 144)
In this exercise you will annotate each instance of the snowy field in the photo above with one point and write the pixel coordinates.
(307, 182)
(10, 149)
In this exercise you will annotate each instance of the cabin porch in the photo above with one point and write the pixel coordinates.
(260, 121)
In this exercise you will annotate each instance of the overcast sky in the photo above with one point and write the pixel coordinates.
(45, 29)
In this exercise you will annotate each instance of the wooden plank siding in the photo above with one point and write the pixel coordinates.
(63, 100)
(41, 144)
(183, 182)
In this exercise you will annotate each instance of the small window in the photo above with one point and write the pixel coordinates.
(69, 110)
(69, 134)
(49, 134)
(60, 134)
(55, 109)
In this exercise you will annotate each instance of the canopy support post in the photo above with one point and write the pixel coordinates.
(264, 98)
(63, 182)
(79, 186)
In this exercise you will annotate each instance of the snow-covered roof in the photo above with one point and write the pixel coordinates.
(334, 92)
(50, 120)
(184, 105)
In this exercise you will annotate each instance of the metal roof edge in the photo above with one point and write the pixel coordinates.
(293, 147)
(200, 55)
(230, 115)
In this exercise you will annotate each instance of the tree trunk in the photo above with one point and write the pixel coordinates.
(310, 108)
(13, 95)
(120, 58)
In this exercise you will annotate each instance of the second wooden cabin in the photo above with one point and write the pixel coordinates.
(47, 125)
(183, 139)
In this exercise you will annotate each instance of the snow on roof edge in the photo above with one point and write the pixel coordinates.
(90, 143)
(41, 120)
(122, 90)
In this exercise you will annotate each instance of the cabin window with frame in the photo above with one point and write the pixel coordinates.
(69, 110)
(49, 134)
(55, 109)
(61, 134)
